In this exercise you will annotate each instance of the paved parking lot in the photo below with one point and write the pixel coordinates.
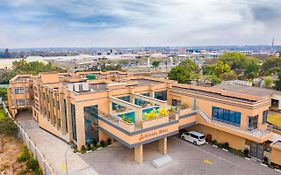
(187, 159)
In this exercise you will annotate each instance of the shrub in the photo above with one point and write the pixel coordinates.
(226, 145)
(24, 155)
(265, 160)
(220, 145)
(209, 138)
(93, 148)
(184, 106)
(75, 150)
(103, 143)
(236, 152)
(246, 152)
(7, 126)
(215, 142)
(172, 109)
(99, 145)
(83, 147)
(163, 112)
(109, 141)
(32, 164)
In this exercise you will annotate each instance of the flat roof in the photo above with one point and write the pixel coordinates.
(143, 82)
(213, 94)
(98, 86)
(244, 89)
(22, 78)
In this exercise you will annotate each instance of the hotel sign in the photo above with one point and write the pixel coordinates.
(153, 134)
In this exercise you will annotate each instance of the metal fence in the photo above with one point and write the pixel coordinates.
(46, 168)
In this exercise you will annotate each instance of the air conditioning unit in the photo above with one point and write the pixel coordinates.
(77, 87)
(85, 86)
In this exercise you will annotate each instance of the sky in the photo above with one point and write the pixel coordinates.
(137, 23)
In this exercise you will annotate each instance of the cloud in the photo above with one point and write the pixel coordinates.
(122, 23)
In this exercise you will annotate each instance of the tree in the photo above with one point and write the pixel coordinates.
(234, 59)
(213, 78)
(268, 82)
(208, 70)
(190, 66)
(184, 72)
(155, 64)
(124, 62)
(278, 82)
(3, 93)
(251, 69)
(180, 74)
(271, 65)
(228, 76)
(220, 67)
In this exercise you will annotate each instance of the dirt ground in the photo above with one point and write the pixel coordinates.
(9, 151)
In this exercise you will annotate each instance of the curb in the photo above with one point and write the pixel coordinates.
(215, 146)
(226, 150)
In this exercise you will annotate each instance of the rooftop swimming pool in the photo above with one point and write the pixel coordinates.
(128, 115)
(148, 110)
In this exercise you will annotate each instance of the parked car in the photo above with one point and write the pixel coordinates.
(194, 137)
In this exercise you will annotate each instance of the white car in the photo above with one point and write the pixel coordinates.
(194, 137)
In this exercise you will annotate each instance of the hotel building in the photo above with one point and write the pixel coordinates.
(87, 107)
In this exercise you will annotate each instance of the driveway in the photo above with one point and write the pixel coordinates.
(187, 159)
(53, 148)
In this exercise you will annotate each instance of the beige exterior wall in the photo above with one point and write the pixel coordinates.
(48, 91)
(276, 155)
(222, 137)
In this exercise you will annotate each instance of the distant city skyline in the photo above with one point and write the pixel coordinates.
(138, 23)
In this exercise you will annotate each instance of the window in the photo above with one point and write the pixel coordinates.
(145, 94)
(19, 90)
(140, 102)
(65, 114)
(73, 117)
(226, 116)
(161, 95)
(176, 102)
(194, 136)
(252, 122)
(125, 98)
(264, 116)
(21, 102)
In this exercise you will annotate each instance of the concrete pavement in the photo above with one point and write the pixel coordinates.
(187, 159)
(54, 149)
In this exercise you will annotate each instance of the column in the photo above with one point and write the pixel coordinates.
(138, 115)
(163, 145)
(139, 154)
(132, 96)
(80, 127)
(62, 114)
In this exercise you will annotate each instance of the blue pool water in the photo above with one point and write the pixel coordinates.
(128, 115)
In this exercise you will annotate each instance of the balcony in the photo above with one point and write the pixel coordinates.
(256, 135)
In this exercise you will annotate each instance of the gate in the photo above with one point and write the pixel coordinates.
(257, 150)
